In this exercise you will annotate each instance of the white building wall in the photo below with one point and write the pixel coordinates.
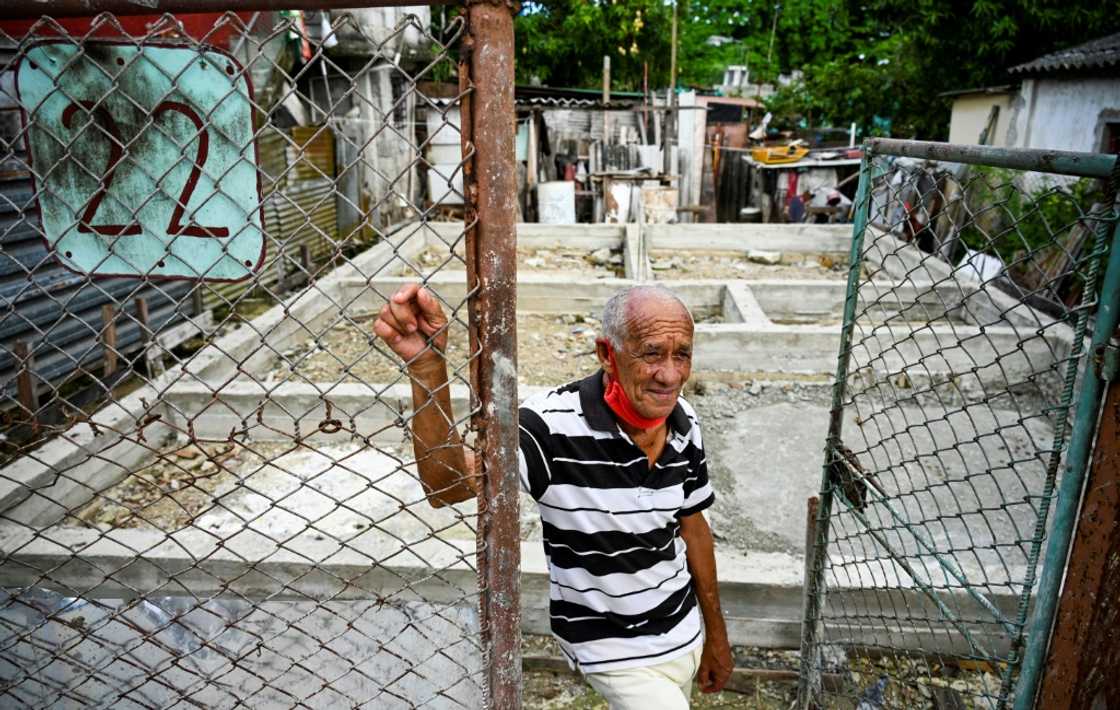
(970, 117)
(1064, 114)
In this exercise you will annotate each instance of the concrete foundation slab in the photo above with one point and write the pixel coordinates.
(324, 523)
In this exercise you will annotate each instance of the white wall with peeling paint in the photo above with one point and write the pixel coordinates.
(1064, 113)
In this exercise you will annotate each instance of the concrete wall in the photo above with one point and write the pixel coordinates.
(970, 117)
(1064, 114)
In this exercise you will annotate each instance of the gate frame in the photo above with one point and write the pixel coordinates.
(490, 217)
(1081, 437)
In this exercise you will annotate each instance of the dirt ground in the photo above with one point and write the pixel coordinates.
(602, 263)
(179, 484)
(731, 265)
(552, 349)
(548, 690)
(910, 683)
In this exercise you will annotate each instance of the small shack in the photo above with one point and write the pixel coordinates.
(1065, 100)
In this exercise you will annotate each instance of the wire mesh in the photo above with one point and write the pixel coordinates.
(208, 494)
(962, 350)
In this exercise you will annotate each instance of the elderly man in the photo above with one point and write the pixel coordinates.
(617, 467)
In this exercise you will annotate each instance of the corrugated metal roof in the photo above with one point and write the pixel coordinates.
(577, 104)
(1099, 57)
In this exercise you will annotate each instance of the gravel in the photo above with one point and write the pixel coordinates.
(601, 263)
(181, 483)
(552, 349)
(731, 265)
(910, 682)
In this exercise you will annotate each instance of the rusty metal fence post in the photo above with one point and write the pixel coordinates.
(491, 190)
(1084, 648)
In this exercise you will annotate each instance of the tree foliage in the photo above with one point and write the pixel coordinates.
(876, 62)
(563, 42)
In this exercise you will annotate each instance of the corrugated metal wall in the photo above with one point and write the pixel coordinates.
(588, 125)
(297, 179)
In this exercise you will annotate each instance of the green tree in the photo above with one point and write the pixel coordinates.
(913, 51)
(875, 62)
(563, 42)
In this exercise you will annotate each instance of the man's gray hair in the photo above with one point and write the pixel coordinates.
(616, 325)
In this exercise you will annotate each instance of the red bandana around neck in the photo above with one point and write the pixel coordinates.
(620, 404)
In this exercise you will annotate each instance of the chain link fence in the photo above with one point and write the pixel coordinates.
(207, 493)
(963, 350)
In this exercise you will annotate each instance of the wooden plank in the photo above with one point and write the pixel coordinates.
(25, 383)
(175, 336)
(800, 238)
(109, 338)
(152, 354)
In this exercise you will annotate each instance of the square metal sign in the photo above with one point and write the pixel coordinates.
(144, 159)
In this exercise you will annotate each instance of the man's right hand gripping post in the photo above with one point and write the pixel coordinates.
(414, 326)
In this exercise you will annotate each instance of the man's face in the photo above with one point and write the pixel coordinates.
(656, 359)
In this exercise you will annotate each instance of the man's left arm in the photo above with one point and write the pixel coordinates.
(716, 662)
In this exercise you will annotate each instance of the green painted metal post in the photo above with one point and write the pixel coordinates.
(1069, 491)
(814, 583)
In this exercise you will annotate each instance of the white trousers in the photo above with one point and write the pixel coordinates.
(665, 686)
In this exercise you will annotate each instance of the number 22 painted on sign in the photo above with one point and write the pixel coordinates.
(175, 225)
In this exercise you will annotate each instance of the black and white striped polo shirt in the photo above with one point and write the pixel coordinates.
(620, 593)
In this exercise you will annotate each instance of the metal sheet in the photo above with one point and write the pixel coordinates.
(168, 122)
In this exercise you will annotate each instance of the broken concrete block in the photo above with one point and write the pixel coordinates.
(759, 256)
(600, 257)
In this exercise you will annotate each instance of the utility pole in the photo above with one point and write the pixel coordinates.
(670, 115)
(673, 52)
(606, 100)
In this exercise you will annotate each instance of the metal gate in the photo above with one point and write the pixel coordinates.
(968, 385)
(208, 494)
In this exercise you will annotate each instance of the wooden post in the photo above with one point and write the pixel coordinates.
(281, 272)
(532, 168)
(196, 300)
(671, 99)
(305, 262)
(109, 338)
(152, 357)
(25, 383)
(673, 54)
(643, 129)
(1085, 647)
(606, 100)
